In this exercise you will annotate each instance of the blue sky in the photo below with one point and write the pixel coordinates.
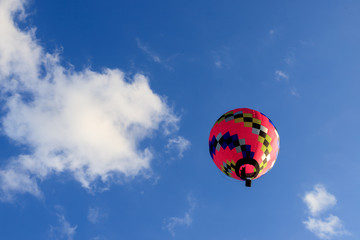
(106, 108)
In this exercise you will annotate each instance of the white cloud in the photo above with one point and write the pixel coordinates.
(87, 123)
(176, 221)
(222, 58)
(63, 230)
(294, 92)
(317, 202)
(271, 32)
(155, 57)
(11, 180)
(218, 64)
(186, 220)
(326, 229)
(98, 238)
(146, 50)
(280, 75)
(94, 215)
(178, 143)
(290, 59)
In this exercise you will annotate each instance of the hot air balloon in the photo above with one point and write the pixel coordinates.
(244, 144)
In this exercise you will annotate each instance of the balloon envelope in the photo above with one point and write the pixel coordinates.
(244, 144)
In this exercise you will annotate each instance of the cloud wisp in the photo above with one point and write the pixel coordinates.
(294, 92)
(281, 76)
(87, 123)
(318, 201)
(179, 144)
(326, 228)
(154, 56)
(272, 33)
(222, 58)
(171, 223)
(290, 59)
(94, 215)
(63, 229)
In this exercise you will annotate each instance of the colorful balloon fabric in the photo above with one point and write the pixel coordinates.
(244, 144)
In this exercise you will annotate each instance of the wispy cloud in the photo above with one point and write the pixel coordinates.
(221, 57)
(294, 92)
(326, 229)
(11, 180)
(218, 64)
(155, 57)
(290, 59)
(179, 144)
(94, 215)
(318, 201)
(281, 76)
(186, 220)
(63, 230)
(98, 238)
(272, 33)
(86, 123)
